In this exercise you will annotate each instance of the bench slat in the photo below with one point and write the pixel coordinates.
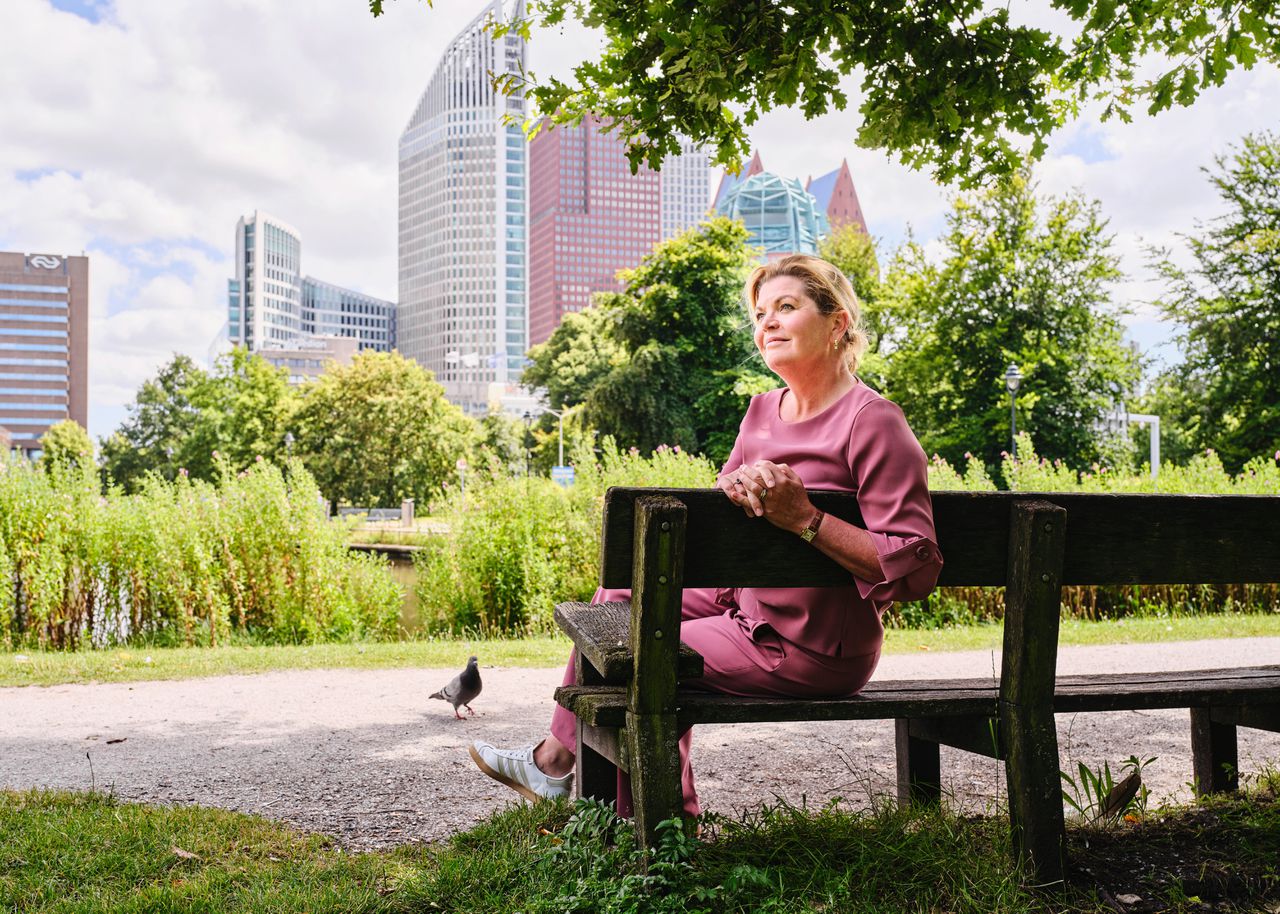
(605, 706)
(1114, 539)
(602, 634)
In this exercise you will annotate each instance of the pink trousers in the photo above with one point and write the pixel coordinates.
(743, 657)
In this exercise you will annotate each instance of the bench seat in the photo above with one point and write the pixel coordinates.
(1248, 687)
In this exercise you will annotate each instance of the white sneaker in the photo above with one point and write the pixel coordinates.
(515, 768)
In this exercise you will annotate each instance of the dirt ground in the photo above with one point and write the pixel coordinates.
(365, 757)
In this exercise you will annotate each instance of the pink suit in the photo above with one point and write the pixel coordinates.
(811, 641)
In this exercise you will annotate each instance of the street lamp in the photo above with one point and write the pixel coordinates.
(1013, 380)
(462, 477)
(528, 422)
(288, 444)
(559, 414)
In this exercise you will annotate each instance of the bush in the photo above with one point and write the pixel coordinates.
(181, 562)
(519, 545)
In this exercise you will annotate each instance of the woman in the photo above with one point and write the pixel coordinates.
(824, 430)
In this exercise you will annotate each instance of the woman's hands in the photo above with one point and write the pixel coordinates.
(772, 491)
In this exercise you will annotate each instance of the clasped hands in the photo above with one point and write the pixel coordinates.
(769, 490)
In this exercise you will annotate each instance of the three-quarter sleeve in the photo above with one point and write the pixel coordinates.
(890, 469)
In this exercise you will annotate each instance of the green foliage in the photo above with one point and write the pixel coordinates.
(960, 87)
(1227, 307)
(517, 546)
(186, 418)
(66, 446)
(1090, 792)
(1022, 279)
(378, 431)
(186, 562)
(668, 360)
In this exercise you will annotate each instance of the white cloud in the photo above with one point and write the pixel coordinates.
(143, 137)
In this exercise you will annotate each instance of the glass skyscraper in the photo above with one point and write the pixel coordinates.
(264, 300)
(686, 189)
(462, 226)
(329, 310)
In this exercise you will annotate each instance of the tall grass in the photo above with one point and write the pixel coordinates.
(519, 545)
(182, 562)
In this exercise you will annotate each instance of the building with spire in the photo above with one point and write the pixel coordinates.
(463, 219)
(784, 216)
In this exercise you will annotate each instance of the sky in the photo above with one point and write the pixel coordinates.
(139, 131)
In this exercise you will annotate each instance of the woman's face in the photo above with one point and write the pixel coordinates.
(790, 331)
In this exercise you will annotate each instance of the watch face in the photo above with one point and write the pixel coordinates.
(807, 534)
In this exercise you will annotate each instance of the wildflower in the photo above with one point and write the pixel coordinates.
(968, 456)
(258, 458)
(216, 455)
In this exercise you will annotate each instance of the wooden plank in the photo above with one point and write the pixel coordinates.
(1033, 596)
(919, 767)
(1115, 539)
(1257, 717)
(1214, 758)
(657, 588)
(608, 743)
(946, 698)
(979, 735)
(594, 773)
(602, 633)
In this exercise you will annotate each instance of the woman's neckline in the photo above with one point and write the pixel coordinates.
(787, 390)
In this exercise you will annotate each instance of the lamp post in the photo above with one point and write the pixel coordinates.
(528, 421)
(288, 444)
(559, 414)
(1012, 381)
(462, 477)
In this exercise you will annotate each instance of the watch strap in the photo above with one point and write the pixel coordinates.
(809, 532)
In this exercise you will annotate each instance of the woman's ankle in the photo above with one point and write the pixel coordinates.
(553, 758)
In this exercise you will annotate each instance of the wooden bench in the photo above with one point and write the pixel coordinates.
(630, 704)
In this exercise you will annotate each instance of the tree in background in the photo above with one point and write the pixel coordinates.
(241, 407)
(161, 418)
(1227, 308)
(66, 446)
(181, 417)
(854, 252)
(668, 360)
(1023, 280)
(378, 431)
(951, 85)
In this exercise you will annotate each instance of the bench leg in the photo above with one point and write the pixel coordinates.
(596, 777)
(1214, 757)
(919, 767)
(656, 793)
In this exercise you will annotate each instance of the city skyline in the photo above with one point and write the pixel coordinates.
(228, 116)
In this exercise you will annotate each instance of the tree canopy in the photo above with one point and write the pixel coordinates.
(669, 360)
(1024, 280)
(957, 86)
(1226, 306)
(378, 431)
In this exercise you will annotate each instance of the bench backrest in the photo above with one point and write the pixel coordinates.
(1110, 539)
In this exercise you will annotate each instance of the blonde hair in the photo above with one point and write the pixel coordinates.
(829, 288)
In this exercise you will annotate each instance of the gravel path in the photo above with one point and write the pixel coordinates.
(363, 756)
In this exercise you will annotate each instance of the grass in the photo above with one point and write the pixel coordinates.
(86, 853)
(74, 854)
(23, 668)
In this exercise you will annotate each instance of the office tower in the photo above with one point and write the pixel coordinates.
(838, 198)
(463, 203)
(686, 189)
(329, 310)
(308, 357)
(264, 301)
(589, 217)
(44, 344)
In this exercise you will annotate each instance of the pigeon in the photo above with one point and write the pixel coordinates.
(462, 689)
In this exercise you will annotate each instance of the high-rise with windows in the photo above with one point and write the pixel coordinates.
(462, 226)
(44, 344)
(329, 310)
(264, 300)
(686, 189)
(589, 217)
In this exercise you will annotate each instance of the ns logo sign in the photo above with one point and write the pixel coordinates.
(44, 262)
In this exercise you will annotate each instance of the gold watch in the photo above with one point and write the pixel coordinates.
(809, 532)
